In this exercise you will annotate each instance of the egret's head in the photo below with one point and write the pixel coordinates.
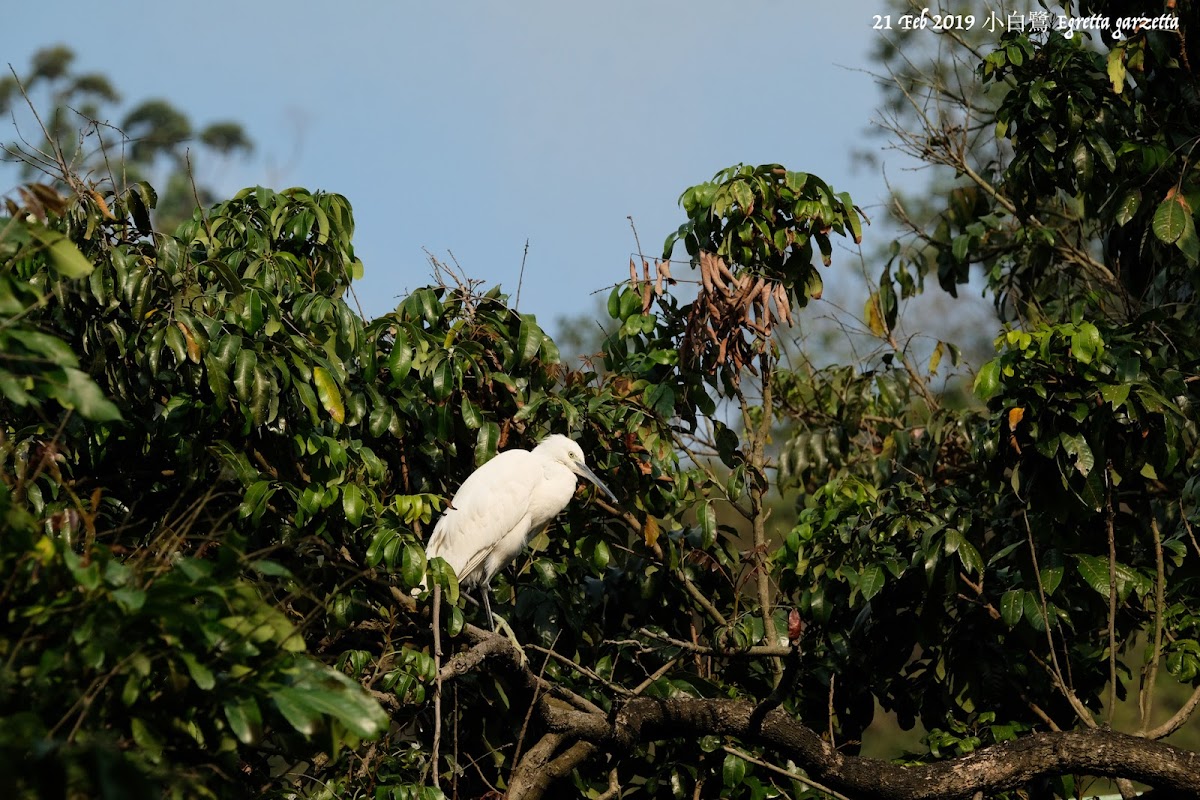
(568, 453)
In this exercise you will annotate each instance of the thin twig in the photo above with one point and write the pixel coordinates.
(521, 277)
(1056, 673)
(437, 686)
(1146, 697)
(754, 651)
(1109, 517)
(802, 779)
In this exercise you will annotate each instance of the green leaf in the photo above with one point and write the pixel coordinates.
(1051, 578)
(327, 691)
(1094, 571)
(529, 339)
(1086, 343)
(245, 720)
(255, 500)
(219, 380)
(1170, 219)
(64, 255)
(380, 421)
(733, 771)
(412, 565)
(243, 374)
(1101, 148)
(201, 675)
(379, 543)
(1032, 607)
(443, 379)
(969, 556)
(471, 415)
(327, 391)
(1011, 606)
(399, 360)
(1128, 207)
(130, 599)
(987, 381)
(145, 738)
(81, 393)
(707, 516)
(353, 504)
(614, 302)
(1077, 446)
(486, 442)
(295, 710)
(1115, 394)
(1081, 157)
(601, 555)
(871, 581)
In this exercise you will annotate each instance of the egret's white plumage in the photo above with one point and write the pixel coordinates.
(504, 504)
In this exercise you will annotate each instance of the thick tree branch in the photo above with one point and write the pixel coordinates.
(993, 769)
(540, 768)
(636, 721)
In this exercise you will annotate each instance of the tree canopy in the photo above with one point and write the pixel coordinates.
(217, 480)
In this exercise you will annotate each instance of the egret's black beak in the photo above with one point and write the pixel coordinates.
(583, 471)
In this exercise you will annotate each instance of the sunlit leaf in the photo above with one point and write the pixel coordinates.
(329, 395)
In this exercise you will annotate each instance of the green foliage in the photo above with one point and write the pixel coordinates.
(217, 479)
(963, 562)
(245, 443)
(767, 218)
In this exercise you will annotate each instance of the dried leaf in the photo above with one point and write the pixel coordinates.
(51, 200)
(103, 206)
(650, 531)
(795, 626)
(31, 204)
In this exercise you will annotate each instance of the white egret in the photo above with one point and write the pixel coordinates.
(504, 504)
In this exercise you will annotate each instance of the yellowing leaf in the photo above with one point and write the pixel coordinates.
(193, 349)
(936, 358)
(1116, 69)
(873, 317)
(650, 531)
(1015, 415)
(327, 391)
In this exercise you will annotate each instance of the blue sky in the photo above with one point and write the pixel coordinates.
(473, 126)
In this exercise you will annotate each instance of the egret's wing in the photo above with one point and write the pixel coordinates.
(492, 501)
(476, 562)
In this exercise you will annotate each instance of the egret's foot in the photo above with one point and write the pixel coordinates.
(501, 626)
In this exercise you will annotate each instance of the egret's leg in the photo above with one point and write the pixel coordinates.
(484, 591)
(499, 625)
